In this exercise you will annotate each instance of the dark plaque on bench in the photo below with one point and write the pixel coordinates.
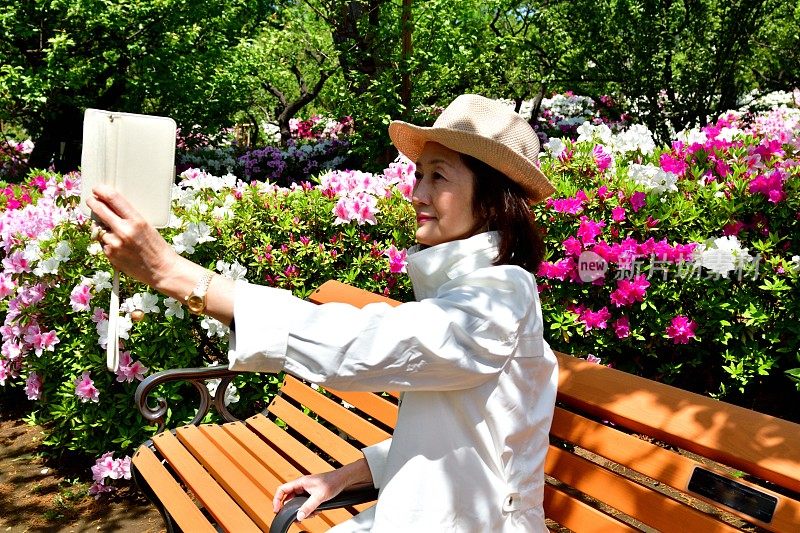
(735, 495)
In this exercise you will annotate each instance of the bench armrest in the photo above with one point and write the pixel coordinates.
(288, 514)
(195, 376)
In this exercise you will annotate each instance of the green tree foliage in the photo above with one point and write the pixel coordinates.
(158, 56)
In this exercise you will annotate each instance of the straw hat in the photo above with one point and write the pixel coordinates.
(487, 130)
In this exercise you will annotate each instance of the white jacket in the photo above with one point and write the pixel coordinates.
(468, 450)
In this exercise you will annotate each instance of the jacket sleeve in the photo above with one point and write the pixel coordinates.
(376, 456)
(457, 340)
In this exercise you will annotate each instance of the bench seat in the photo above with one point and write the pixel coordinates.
(626, 454)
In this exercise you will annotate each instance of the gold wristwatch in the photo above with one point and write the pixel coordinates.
(196, 300)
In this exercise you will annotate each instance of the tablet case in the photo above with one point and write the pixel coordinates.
(133, 153)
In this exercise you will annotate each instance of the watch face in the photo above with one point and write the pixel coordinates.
(196, 304)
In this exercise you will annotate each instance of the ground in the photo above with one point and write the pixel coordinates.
(36, 495)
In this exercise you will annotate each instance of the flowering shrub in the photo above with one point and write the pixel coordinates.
(678, 263)
(55, 285)
(298, 162)
(13, 158)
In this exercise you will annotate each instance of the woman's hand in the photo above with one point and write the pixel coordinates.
(323, 487)
(131, 244)
(135, 247)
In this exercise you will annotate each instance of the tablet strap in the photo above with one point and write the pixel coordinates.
(112, 346)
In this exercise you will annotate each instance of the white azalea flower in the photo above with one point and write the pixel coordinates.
(231, 393)
(62, 251)
(48, 266)
(101, 280)
(173, 308)
(144, 301)
(555, 146)
(94, 248)
(231, 270)
(213, 327)
(723, 255)
(653, 178)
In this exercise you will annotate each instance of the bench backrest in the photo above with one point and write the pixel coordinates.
(626, 452)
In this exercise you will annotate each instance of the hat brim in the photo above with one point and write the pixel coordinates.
(410, 139)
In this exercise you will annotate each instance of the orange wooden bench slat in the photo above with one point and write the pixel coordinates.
(337, 292)
(182, 509)
(690, 421)
(355, 426)
(254, 501)
(280, 470)
(627, 496)
(378, 408)
(660, 464)
(262, 477)
(218, 503)
(281, 440)
(322, 437)
(577, 515)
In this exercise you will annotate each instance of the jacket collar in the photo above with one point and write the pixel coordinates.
(430, 268)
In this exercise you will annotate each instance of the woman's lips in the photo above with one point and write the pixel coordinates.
(423, 218)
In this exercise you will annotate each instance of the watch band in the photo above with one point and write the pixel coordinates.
(196, 300)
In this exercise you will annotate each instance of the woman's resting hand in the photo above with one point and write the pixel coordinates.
(323, 487)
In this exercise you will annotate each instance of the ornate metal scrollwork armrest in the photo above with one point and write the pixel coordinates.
(198, 378)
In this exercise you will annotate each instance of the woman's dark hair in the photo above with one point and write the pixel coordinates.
(503, 206)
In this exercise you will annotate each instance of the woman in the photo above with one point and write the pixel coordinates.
(479, 380)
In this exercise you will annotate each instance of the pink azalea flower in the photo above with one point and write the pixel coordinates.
(770, 186)
(99, 314)
(16, 263)
(596, 319)
(603, 193)
(41, 341)
(618, 214)
(129, 370)
(12, 349)
(7, 285)
(622, 327)
(591, 358)
(33, 386)
(85, 389)
(397, 259)
(638, 201)
(602, 157)
(681, 329)
(80, 297)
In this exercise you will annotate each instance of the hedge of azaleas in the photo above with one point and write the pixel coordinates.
(680, 263)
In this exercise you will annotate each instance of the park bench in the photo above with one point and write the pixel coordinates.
(626, 454)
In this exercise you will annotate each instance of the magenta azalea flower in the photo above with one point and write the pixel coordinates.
(638, 201)
(618, 214)
(590, 229)
(629, 291)
(622, 327)
(397, 259)
(596, 319)
(85, 389)
(681, 329)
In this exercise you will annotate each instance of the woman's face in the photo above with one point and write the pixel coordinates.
(442, 196)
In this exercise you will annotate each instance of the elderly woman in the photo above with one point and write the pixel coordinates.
(479, 380)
